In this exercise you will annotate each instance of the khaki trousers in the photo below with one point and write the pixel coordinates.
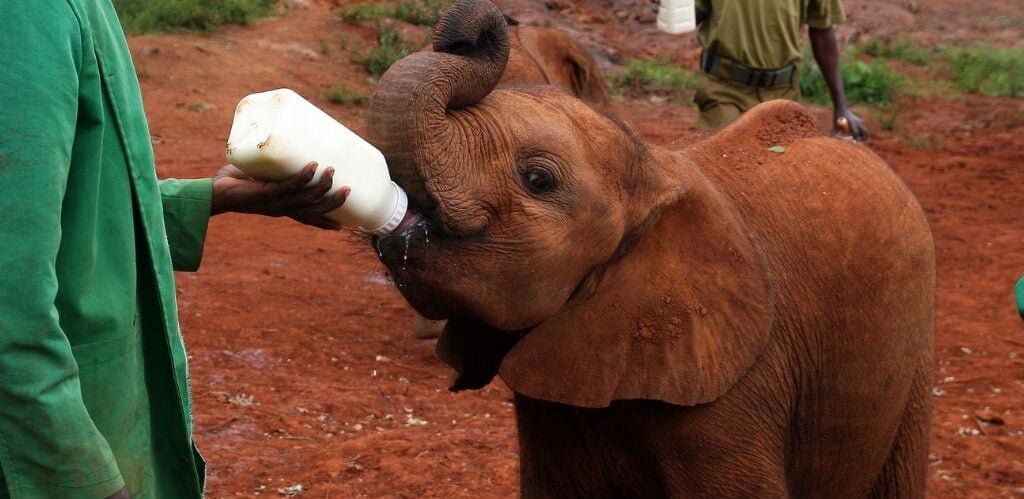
(722, 101)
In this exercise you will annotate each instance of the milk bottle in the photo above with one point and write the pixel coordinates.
(677, 16)
(275, 134)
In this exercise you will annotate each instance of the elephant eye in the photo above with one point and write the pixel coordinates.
(538, 180)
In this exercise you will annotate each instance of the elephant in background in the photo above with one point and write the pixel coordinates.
(548, 56)
(725, 319)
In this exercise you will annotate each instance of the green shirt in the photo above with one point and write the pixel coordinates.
(93, 383)
(763, 34)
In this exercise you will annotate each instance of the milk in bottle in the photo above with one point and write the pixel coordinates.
(275, 134)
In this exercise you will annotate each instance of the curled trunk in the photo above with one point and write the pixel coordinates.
(409, 113)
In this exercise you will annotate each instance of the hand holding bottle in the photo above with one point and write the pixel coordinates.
(295, 197)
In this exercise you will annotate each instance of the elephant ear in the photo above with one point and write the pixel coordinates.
(587, 81)
(680, 317)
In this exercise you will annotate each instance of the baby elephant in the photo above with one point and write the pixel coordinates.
(749, 316)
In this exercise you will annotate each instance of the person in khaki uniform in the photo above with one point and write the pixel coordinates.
(94, 391)
(751, 52)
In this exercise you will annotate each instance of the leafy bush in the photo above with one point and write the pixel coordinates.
(420, 12)
(345, 96)
(987, 70)
(393, 47)
(642, 76)
(145, 16)
(865, 83)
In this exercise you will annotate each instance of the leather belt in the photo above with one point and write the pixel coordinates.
(728, 69)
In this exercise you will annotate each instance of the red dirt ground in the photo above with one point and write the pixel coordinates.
(303, 365)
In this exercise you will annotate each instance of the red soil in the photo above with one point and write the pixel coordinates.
(304, 367)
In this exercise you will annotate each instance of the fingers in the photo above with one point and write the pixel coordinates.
(859, 131)
(300, 179)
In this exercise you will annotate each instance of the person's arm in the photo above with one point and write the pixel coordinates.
(703, 10)
(49, 446)
(189, 204)
(821, 17)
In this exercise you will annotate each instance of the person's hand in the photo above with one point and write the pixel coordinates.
(121, 494)
(847, 123)
(235, 191)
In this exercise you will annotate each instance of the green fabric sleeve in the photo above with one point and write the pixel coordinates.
(186, 217)
(822, 14)
(49, 445)
(1020, 297)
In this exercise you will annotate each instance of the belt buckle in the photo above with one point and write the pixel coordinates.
(762, 79)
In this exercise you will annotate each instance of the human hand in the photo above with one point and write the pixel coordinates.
(235, 191)
(121, 494)
(848, 124)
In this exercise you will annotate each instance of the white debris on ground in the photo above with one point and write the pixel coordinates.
(291, 491)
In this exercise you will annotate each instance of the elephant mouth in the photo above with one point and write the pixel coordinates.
(411, 255)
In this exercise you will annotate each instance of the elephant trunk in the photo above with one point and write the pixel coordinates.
(409, 117)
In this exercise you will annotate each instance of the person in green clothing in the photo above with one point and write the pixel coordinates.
(94, 392)
(751, 49)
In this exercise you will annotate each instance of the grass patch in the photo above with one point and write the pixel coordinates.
(346, 96)
(148, 16)
(987, 70)
(872, 84)
(652, 76)
(393, 46)
(901, 51)
(419, 12)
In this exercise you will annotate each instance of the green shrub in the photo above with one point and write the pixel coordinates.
(146, 16)
(642, 76)
(346, 96)
(901, 51)
(420, 12)
(393, 47)
(865, 83)
(987, 70)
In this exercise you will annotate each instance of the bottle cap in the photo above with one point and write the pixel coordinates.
(401, 206)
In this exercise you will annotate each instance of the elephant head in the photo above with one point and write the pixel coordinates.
(554, 240)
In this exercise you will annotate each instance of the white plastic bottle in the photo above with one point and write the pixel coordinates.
(275, 134)
(677, 16)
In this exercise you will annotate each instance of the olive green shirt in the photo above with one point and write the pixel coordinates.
(763, 34)
(93, 383)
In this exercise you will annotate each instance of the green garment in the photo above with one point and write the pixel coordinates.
(763, 34)
(93, 383)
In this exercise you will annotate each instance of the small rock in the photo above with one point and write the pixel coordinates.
(989, 416)
(291, 491)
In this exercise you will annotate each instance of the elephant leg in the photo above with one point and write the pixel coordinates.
(905, 471)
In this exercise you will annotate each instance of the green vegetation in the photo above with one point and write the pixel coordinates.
(197, 107)
(420, 12)
(901, 51)
(987, 70)
(346, 96)
(146, 16)
(393, 46)
(865, 83)
(646, 76)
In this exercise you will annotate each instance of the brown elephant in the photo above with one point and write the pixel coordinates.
(548, 56)
(727, 319)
